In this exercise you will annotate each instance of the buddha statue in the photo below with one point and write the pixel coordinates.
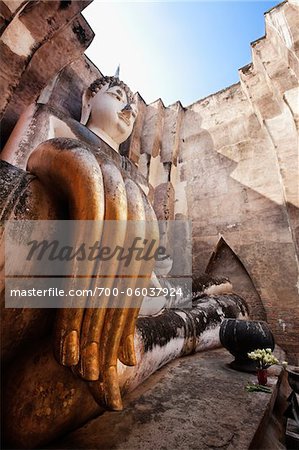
(73, 171)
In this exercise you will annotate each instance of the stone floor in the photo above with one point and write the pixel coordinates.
(196, 402)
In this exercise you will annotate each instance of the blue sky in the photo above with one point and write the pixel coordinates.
(175, 50)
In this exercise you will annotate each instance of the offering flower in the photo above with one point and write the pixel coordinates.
(264, 358)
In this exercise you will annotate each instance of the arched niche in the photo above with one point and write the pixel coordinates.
(224, 262)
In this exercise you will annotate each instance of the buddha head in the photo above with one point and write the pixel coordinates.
(109, 110)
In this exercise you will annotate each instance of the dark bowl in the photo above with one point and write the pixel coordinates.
(240, 337)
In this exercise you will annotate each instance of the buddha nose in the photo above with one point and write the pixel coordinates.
(127, 110)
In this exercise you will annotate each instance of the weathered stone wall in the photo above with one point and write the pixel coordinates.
(38, 40)
(229, 162)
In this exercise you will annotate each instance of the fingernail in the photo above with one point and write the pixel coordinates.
(127, 352)
(89, 363)
(70, 349)
(97, 390)
(112, 390)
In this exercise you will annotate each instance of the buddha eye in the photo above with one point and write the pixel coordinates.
(119, 94)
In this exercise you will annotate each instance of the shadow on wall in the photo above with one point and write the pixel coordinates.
(224, 262)
(258, 229)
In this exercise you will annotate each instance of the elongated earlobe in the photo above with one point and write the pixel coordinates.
(86, 107)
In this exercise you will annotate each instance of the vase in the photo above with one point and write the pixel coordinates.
(262, 376)
(240, 337)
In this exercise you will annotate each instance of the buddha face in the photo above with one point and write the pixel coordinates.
(112, 114)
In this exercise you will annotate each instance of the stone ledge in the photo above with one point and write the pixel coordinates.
(194, 402)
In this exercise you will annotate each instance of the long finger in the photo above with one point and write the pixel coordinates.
(127, 351)
(70, 170)
(116, 318)
(116, 211)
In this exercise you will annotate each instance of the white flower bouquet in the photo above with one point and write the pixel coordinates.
(264, 358)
